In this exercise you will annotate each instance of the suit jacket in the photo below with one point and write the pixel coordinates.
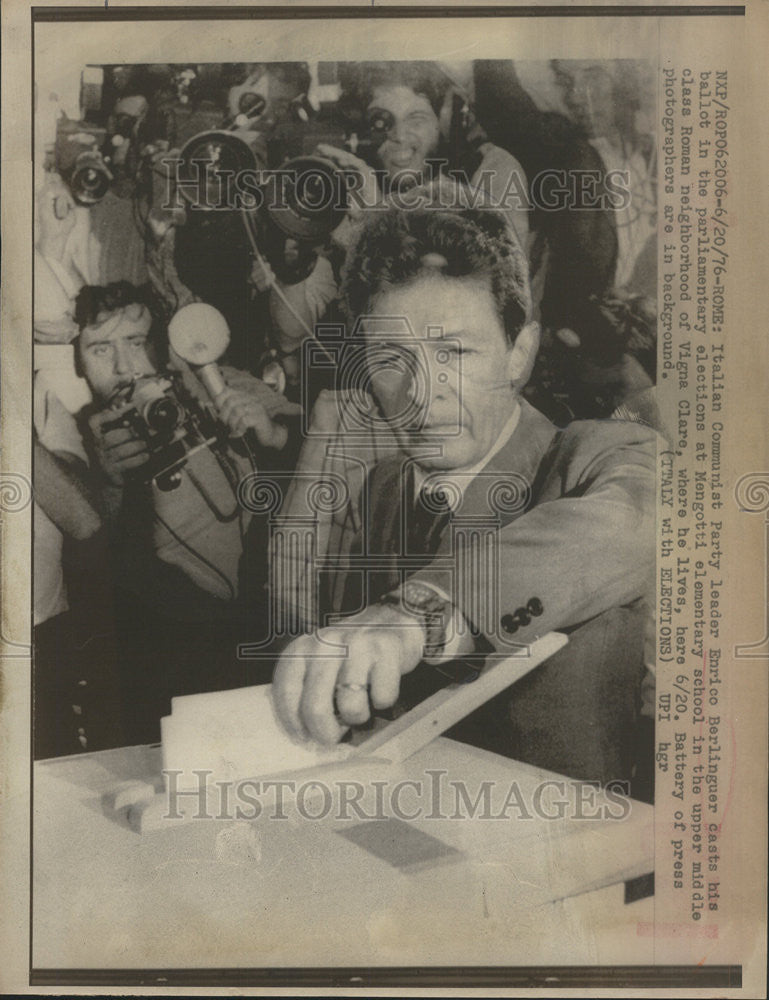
(562, 520)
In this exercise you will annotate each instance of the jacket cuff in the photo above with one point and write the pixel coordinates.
(448, 634)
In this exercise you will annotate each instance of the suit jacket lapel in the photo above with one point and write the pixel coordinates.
(506, 487)
(512, 472)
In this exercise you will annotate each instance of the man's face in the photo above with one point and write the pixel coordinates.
(448, 387)
(415, 133)
(114, 350)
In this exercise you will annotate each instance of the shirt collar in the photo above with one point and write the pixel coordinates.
(459, 479)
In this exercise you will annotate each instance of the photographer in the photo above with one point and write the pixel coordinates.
(213, 255)
(420, 126)
(166, 466)
(418, 137)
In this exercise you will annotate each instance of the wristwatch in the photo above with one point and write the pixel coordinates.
(433, 610)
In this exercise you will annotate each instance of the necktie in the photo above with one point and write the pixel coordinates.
(430, 515)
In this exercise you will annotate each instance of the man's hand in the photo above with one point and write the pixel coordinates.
(241, 412)
(273, 402)
(250, 404)
(118, 451)
(317, 685)
(366, 193)
(262, 275)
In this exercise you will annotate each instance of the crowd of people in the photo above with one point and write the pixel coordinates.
(518, 246)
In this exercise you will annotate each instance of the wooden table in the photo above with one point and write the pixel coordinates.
(270, 892)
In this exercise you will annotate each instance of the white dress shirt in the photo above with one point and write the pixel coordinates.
(460, 479)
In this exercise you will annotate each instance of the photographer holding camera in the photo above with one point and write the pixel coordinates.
(419, 128)
(416, 137)
(267, 112)
(166, 465)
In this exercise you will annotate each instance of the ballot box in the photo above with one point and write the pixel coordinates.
(452, 857)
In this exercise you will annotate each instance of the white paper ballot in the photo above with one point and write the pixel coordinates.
(234, 735)
(229, 736)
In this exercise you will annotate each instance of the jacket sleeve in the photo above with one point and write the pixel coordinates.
(587, 546)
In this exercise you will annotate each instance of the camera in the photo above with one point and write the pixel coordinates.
(79, 160)
(91, 159)
(213, 166)
(293, 198)
(159, 410)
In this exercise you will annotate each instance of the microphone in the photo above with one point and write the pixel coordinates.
(199, 334)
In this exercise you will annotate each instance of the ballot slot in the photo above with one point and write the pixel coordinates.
(401, 845)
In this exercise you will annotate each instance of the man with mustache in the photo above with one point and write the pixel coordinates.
(187, 561)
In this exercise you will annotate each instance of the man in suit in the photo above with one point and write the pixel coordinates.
(491, 526)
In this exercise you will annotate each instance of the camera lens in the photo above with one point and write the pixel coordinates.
(90, 179)
(312, 192)
(163, 415)
(210, 160)
(307, 198)
(379, 123)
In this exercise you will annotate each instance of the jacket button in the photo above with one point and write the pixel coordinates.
(534, 607)
(509, 624)
(522, 616)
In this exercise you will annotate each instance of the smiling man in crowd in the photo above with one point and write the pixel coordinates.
(571, 514)
(421, 142)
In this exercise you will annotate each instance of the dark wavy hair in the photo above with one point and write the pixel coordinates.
(93, 300)
(359, 80)
(393, 246)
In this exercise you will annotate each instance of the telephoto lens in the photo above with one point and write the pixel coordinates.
(307, 198)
